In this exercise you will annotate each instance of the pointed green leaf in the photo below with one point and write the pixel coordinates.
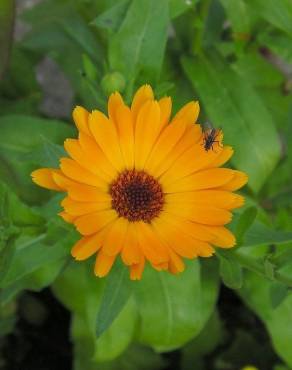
(230, 270)
(138, 46)
(259, 234)
(112, 18)
(278, 292)
(20, 136)
(245, 221)
(250, 131)
(48, 154)
(116, 293)
(278, 13)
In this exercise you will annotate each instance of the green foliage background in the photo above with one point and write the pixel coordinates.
(235, 57)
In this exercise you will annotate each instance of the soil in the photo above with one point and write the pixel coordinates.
(40, 347)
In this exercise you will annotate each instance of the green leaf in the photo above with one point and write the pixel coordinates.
(112, 18)
(210, 284)
(35, 281)
(278, 292)
(81, 292)
(15, 218)
(49, 15)
(6, 255)
(138, 46)
(178, 7)
(19, 81)
(48, 154)
(279, 43)
(52, 153)
(281, 367)
(238, 15)
(256, 294)
(230, 270)
(213, 24)
(6, 31)
(30, 256)
(133, 358)
(15, 212)
(206, 342)
(230, 108)
(58, 30)
(245, 221)
(116, 294)
(170, 307)
(259, 234)
(21, 135)
(258, 71)
(278, 13)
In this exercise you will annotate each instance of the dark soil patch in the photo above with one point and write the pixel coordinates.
(40, 347)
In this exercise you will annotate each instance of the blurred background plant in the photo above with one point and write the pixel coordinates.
(230, 312)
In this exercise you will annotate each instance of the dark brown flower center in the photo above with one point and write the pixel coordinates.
(137, 196)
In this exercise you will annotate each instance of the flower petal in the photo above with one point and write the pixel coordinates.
(165, 105)
(131, 252)
(191, 136)
(89, 245)
(44, 178)
(189, 113)
(182, 244)
(202, 214)
(153, 249)
(125, 126)
(84, 193)
(216, 198)
(80, 117)
(223, 237)
(75, 208)
(143, 94)
(63, 181)
(238, 181)
(93, 222)
(165, 143)
(223, 157)
(207, 179)
(185, 226)
(66, 217)
(114, 102)
(176, 264)
(105, 134)
(192, 160)
(136, 270)
(75, 172)
(147, 130)
(74, 149)
(103, 264)
(115, 238)
(91, 148)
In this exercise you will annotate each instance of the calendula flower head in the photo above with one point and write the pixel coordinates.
(141, 185)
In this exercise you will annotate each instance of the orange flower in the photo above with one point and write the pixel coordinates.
(143, 186)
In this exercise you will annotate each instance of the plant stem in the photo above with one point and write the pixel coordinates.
(203, 13)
